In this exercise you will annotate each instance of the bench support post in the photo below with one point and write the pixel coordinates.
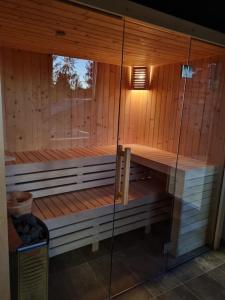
(122, 189)
(148, 222)
(95, 242)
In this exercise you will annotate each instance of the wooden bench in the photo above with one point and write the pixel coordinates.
(75, 198)
(193, 188)
(194, 184)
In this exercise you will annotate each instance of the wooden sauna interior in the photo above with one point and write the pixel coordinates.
(39, 117)
(46, 122)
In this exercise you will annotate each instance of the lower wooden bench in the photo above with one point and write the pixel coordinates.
(86, 217)
(75, 198)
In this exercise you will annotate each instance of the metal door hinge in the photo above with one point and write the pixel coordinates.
(186, 71)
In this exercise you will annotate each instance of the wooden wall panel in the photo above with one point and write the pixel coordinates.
(40, 116)
(216, 147)
(202, 118)
(152, 117)
(26, 99)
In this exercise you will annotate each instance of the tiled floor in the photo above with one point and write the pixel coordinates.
(84, 275)
(202, 278)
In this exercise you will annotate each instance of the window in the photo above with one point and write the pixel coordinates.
(76, 75)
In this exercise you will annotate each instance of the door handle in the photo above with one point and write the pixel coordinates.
(123, 176)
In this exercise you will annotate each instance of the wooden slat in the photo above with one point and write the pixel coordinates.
(59, 164)
(148, 156)
(89, 202)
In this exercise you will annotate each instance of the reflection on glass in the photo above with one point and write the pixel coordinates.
(77, 73)
(149, 124)
(73, 87)
(201, 150)
(61, 126)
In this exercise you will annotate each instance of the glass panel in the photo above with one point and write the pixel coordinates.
(150, 117)
(201, 151)
(61, 99)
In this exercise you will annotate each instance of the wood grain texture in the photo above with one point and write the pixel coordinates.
(61, 24)
(154, 158)
(154, 117)
(100, 35)
(89, 34)
(57, 119)
(40, 115)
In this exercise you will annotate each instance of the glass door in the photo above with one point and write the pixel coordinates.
(115, 127)
(61, 100)
(201, 151)
(151, 104)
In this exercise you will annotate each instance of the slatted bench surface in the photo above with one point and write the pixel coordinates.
(52, 155)
(165, 161)
(154, 158)
(51, 207)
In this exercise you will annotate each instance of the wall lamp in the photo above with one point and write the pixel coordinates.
(140, 78)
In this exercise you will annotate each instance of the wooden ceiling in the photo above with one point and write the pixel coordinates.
(55, 27)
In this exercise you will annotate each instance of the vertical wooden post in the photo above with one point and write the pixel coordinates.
(4, 254)
(119, 171)
(126, 175)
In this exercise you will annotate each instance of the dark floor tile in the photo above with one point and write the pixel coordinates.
(222, 267)
(179, 293)
(209, 261)
(66, 260)
(162, 284)
(187, 271)
(174, 262)
(78, 283)
(220, 254)
(60, 286)
(142, 263)
(197, 266)
(206, 288)
(218, 275)
(122, 278)
(138, 293)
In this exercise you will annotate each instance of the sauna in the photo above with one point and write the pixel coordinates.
(116, 127)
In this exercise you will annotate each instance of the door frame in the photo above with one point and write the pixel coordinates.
(220, 217)
(4, 255)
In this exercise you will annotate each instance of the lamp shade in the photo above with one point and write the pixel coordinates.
(139, 78)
